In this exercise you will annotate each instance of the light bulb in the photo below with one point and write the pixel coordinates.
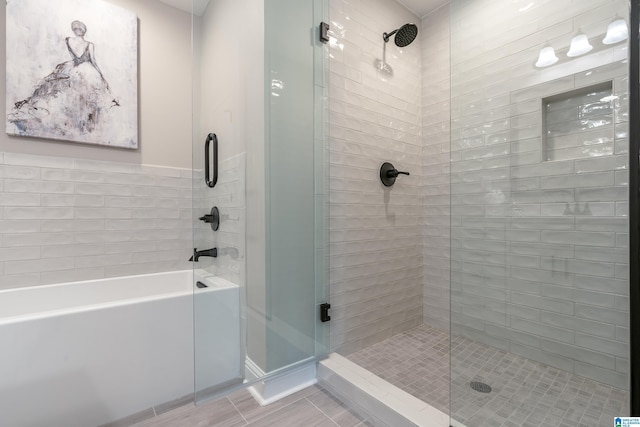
(547, 57)
(617, 31)
(579, 46)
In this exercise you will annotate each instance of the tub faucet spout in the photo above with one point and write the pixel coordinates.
(213, 252)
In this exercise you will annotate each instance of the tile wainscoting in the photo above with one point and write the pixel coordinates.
(65, 219)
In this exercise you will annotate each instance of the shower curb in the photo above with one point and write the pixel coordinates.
(379, 401)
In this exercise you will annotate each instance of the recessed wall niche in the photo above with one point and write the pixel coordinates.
(579, 123)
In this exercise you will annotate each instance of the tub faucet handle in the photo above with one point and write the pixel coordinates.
(212, 218)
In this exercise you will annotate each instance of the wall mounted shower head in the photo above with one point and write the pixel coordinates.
(405, 35)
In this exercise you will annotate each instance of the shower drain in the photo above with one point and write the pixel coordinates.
(481, 387)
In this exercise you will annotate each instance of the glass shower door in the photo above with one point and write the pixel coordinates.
(295, 202)
(539, 213)
(261, 92)
(219, 200)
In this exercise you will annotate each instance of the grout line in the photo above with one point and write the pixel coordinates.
(237, 410)
(321, 411)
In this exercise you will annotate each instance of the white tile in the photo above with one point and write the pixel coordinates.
(128, 247)
(20, 253)
(58, 206)
(592, 268)
(71, 200)
(71, 225)
(579, 238)
(102, 166)
(603, 360)
(19, 199)
(37, 239)
(12, 281)
(36, 213)
(103, 189)
(93, 261)
(75, 275)
(601, 314)
(132, 269)
(128, 224)
(603, 345)
(131, 202)
(53, 264)
(56, 251)
(21, 172)
(19, 226)
(93, 213)
(37, 161)
(20, 186)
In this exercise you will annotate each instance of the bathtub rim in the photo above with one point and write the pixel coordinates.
(215, 284)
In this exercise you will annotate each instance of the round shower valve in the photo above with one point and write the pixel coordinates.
(388, 174)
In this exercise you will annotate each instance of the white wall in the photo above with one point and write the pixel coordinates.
(376, 253)
(533, 271)
(74, 211)
(436, 83)
(164, 94)
(67, 219)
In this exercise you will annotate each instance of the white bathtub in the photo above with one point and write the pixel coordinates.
(88, 353)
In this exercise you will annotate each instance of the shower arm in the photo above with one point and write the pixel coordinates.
(385, 36)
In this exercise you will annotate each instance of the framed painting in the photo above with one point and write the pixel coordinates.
(72, 71)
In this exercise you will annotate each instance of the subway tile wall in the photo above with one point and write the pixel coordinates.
(579, 124)
(376, 233)
(436, 83)
(539, 244)
(229, 197)
(65, 219)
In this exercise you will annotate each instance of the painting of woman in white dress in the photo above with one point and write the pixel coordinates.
(80, 99)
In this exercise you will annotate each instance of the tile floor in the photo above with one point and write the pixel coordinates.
(310, 407)
(525, 393)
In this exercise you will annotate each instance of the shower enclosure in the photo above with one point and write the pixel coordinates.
(539, 211)
(115, 325)
(258, 157)
(493, 282)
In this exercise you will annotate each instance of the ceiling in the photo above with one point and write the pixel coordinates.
(419, 7)
(198, 5)
(422, 7)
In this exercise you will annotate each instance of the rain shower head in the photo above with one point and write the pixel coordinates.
(405, 35)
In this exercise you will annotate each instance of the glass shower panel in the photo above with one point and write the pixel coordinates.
(261, 92)
(539, 212)
(295, 183)
(321, 175)
(219, 193)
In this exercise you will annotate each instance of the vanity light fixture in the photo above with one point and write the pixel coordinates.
(617, 31)
(579, 46)
(547, 57)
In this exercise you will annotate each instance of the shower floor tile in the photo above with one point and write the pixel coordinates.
(524, 392)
